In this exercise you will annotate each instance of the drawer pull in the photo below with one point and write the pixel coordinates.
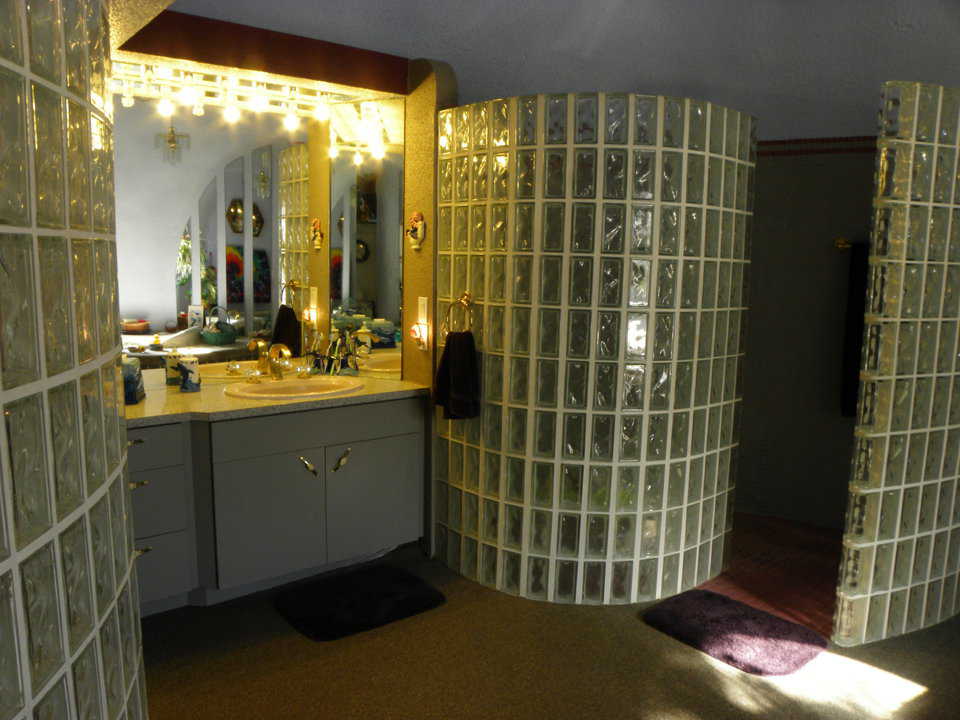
(139, 552)
(137, 484)
(135, 441)
(342, 460)
(310, 467)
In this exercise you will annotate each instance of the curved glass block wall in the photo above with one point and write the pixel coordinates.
(902, 540)
(69, 612)
(604, 238)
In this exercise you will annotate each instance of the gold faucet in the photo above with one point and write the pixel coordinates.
(278, 357)
(263, 359)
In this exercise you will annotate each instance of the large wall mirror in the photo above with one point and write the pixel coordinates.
(215, 222)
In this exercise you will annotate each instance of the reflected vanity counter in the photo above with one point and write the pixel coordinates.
(232, 495)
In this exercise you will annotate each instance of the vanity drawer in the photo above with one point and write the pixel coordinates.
(167, 569)
(161, 505)
(256, 437)
(155, 447)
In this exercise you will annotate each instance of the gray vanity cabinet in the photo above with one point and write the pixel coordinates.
(270, 517)
(374, 500)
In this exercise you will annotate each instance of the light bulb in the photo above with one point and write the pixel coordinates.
(189, 95)
(198, 110)
(259, 100)
(166, 107)
(231, 113)
(378, 152)
(333, 151)
(290, 121)
(357, 158)
(321, 112)
(126, 100)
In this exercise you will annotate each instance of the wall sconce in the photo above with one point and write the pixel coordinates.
(310, 317)
(420, 333)
(417, 230)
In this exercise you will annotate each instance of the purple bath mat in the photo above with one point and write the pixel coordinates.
(746, 638)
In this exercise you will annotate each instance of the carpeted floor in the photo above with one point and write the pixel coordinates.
(786, 568)
(488, 655)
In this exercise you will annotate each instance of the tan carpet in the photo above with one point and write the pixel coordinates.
(488, 655)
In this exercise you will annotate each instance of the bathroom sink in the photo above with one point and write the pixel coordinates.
(293, 388)
(384, 362)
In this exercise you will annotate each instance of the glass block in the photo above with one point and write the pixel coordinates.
(576, 385)
(499, 177)
(102, 544)
(944, 174)
(645, 120)
(666, 283)
(491, 520)
(549, 332)
(48, 156)
(513, 526)
(443, 276)
(84, 299)
(697, 125)
(669, 243)
(613, 228)
(608, 334)
(11, 692)
(446, 180)
(547, 375)
(598, 497)
(538, 570)
(611, 273)
(544, 433)
(615, 124)
(615, 174)
(566, 587)
(500, 123)
(14, 190)
(11, 45)
(112, 664)
(568, 535)
(33, 514)
(633, 387)
(77, 586)
(673, 122)
(641, 236)
(554, 220)
(517, 430)
(480, 126)
(527, 120)
(636, 345)
(631, 438)
(582, 238)
(42, 609)
(55, 288)
(91, 409)
(526, 173)
(671, 177)
(605, 386)
(554, 177)
(574, 435)
(78, 162)
(601, 446)
(578, 335)
(556, 121)
(657, 437)
(542, 484)
(522, 278)
(46, 47)
(715, 181)
(650, 534)
(585, 119)
(18, 341)
(597, 536)
(581, 280)
(663, 337)
(585, 173)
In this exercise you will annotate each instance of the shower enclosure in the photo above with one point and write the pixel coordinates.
(604, 239)
(902, 539)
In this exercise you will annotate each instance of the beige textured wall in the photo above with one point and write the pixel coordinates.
(432, 88)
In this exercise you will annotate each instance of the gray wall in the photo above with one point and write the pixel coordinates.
(795, 446)
(156, 198)
(804, 69)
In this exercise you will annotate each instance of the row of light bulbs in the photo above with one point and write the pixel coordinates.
(183, 88)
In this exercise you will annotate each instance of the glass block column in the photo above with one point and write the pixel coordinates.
(604, 239)
(69, 620)
(902, 539)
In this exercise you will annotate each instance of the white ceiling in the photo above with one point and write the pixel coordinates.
(805, 68)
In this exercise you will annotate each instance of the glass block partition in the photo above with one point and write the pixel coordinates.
(902, 540)
(604, 238)
(69, 619)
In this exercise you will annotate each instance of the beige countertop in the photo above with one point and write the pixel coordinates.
(165, 404)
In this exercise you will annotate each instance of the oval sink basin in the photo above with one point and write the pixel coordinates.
(293, 388)
(386, 362)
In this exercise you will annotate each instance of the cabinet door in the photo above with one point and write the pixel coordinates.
(375, 500)
(269, 516)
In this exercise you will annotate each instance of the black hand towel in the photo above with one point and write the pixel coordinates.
(286, 329)
(458, 378)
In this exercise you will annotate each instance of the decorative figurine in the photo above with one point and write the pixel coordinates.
(416, 230)
(189, 369)
(316, 235)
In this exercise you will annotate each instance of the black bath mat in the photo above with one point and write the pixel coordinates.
(334, 607)
(746, 638)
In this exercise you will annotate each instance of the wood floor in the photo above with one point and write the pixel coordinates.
(786, 568)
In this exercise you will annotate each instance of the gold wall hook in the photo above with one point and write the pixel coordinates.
(842, 243)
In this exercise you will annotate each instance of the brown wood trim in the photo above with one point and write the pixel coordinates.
(216, 42)
(819, 141)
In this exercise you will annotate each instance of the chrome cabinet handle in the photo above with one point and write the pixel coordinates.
(310, 467)
(137, 484)
(140, 552)
(135, 441)
(342, 460)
